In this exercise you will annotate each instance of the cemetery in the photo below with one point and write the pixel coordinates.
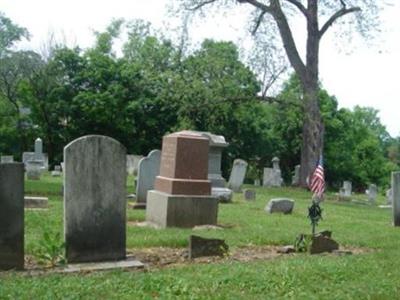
(245, 240)
(145, 164)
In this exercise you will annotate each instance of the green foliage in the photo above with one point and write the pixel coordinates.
(9, 33)
(50, 251)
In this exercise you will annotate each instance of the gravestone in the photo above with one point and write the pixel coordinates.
(130, 164)
(280, 205)
(372, 193)
(257, 182)
(199, 247)
(34, 169)
(237, 176)
(29, 156)
(217, 143)
(389, 196)
(7, 159)
(56, 172)
(296, 176)
(94, 199)
(249, 195)
(11, 216)
(347, 188)
(273, 176)
(62, 166)
(38, 149)
(396, 198)
(148, 170)
(182, 192)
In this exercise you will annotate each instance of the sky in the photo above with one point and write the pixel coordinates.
(356, 73)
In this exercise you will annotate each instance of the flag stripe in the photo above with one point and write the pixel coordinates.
(317, 183)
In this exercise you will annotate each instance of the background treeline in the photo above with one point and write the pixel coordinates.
(152, 88)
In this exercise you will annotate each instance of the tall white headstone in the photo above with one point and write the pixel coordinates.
(238, 174)
(148, 170)
(39, 149)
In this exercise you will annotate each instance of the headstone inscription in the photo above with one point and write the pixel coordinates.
(94, 199)
(182, 192)
(11, 216)
(237, 176)
(148, 170)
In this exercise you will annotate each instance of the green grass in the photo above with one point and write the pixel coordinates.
(373, 275)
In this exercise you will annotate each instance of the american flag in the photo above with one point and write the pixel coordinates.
(317, 183)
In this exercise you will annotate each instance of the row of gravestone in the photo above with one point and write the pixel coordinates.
(95, 197)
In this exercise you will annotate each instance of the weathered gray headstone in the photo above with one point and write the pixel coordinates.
(257, 182)
(94, 199)
(389, 196)
(372, 193)
(56, 172)
(272, 176)
(33, 169)
(38, 149)
(249, 195)
(148, 170)
(342, 195)
(238, 174)
(11, 216)
(62, 166)
(396, 198)
(7, 159)
(280, 205)
(347, 188)
(199, 246)
(296, 176)
(136, 159)
(130, 164)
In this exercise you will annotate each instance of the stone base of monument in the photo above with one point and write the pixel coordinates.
(129, 263)
(185, 211)
(224, 195)
(36, 202)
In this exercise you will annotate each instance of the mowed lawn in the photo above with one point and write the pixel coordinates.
(374, 274)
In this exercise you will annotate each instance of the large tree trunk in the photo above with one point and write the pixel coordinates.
(312, 122)
(312, 135)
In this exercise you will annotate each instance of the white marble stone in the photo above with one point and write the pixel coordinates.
(149, 168)
(237, 176)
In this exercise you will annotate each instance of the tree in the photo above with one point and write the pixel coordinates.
(10, 33)
(279, 13)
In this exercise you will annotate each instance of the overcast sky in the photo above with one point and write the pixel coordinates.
(368, 76)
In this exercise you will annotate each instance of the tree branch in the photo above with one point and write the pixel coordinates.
(340, 13)
(300, 6)
(258, 22)
(200, 5)
(257, 4)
